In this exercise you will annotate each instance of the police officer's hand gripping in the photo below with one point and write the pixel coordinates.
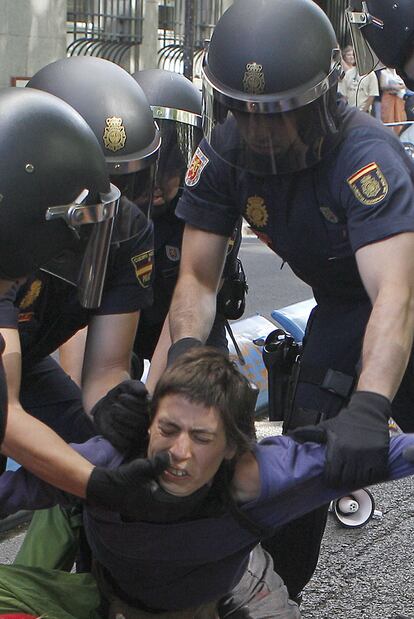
(129, 488)
(356, 441)
(122, 417)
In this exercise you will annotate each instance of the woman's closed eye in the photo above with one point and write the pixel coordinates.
(168, 429)
(202, 438)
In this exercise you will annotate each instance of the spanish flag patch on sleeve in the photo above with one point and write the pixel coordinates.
(369, 184)
(197, 165)
(143, 267)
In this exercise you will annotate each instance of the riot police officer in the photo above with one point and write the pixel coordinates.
(382, 30)
(176, 107)
(53, 181)
(331, 192)
(44, 312)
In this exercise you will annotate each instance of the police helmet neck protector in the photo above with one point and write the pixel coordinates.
(382, 33)
(270, 78)
(55, 191)
(116, 109)
(176, 106)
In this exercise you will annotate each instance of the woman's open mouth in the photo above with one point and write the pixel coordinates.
(174, 474)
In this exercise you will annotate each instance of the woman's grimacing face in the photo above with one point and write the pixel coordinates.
(194, 436)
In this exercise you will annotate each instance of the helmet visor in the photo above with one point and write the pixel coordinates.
(365, 57)
(273, 143)
(178, 143)
(84, 265)
(137, 187)
(275, 133)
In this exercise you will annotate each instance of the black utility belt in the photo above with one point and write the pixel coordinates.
(331, 380)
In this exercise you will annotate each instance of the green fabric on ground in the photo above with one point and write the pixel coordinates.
(48, 593)
(52, 539)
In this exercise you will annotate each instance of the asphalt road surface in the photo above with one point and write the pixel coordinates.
(362, 573)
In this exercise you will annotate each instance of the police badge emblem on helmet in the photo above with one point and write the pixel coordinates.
(114, 136)
(253, 80)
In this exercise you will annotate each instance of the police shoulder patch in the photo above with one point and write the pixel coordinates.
(369, 184)
(143, 267)
(197, 165)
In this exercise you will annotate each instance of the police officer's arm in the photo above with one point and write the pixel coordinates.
(193, 305)
(35, 446)
(159, 358)
(107, 355)
(30, 442)
(12, 361)
(387, 271)
(45, 454)
(71, 355)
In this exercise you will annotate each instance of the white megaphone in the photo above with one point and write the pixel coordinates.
(356, 509)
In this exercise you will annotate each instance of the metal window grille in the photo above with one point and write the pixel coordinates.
(104, 28)
(335, 9)
(206, 14)
(172, 20)
(172, 30)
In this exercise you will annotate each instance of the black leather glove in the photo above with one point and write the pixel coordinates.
(122, 417)
(181, 346)
(357, 441)
(129, 488)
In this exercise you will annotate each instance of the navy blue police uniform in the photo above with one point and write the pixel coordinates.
(46, 311)
(168, 236)
(316, 220)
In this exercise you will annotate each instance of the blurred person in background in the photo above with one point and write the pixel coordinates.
(393, 90)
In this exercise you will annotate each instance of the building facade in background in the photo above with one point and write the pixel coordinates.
(135, 34)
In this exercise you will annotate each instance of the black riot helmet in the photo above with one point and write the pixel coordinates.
(117, 111)
(383, 31)
(55, 194)
(269, 85)
(176, 106)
